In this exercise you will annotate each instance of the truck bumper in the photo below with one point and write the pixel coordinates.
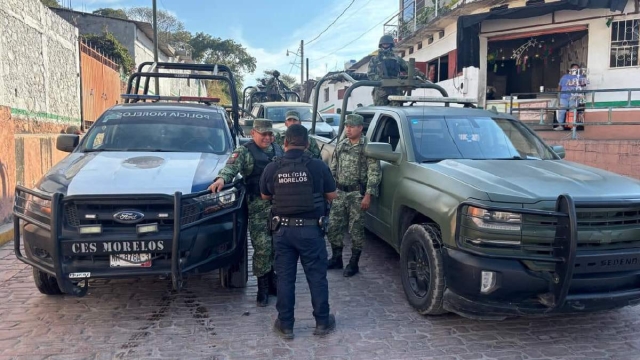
(518, 291)
(204, 242)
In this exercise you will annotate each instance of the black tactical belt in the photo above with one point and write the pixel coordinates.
(349, 188)
(298, 222)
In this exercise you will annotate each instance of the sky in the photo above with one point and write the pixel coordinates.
(268, 28)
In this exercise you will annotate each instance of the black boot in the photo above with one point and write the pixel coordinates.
(273, 283)
(325, 327)
(336, 258)
(352, 267)
(285, 332)
(263, 291)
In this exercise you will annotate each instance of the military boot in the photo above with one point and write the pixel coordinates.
(273, 283)
(352, 267)
(263, 291)
(336, 258)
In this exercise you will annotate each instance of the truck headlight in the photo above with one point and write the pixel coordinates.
(38, 205)
(214, 202)
(494, 220)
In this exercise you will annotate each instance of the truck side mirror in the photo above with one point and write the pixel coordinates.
(381, 151)
(559, 149)
(329, 120)
(67, 142)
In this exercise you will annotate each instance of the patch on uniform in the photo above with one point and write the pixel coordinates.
(233, 158)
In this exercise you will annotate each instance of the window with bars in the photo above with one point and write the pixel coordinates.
(625, 42)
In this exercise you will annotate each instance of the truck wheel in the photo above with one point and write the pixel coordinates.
(236, 275)
(46, 283)
(421, 269)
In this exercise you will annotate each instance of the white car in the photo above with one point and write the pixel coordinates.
(276, 111)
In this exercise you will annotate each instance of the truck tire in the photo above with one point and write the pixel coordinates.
(421, 269)
(236, 275)
(46, 283)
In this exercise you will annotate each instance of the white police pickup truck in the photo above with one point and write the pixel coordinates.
(131, 198)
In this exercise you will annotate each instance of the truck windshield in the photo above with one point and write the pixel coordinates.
(461, 137)
(159, 130)
(277, 114)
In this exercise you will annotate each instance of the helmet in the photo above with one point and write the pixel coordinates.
(276, 73)
(386, 39)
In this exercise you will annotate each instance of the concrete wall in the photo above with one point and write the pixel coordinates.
(618, 156)
(39, 63)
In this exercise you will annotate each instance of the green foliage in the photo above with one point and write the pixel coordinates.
(115, 13)
(213, 50)
(51, 3)
(110, 46)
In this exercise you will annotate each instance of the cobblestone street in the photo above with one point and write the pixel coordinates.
(142, 319)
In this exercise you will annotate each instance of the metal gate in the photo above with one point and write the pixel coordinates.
(101, 83)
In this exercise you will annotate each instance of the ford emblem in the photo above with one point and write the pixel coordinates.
(128, 216)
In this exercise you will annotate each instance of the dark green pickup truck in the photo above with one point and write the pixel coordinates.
(491, 222)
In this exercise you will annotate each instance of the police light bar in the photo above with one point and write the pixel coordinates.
(202, 99)
(432, 99)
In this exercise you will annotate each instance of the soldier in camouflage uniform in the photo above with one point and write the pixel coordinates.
(250, 160)
(387, 65)
(293, 117)
(357, 179)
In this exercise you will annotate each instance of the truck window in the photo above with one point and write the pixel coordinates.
(159, 130)
(387, 131)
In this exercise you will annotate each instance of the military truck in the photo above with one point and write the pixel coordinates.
(131, 198)
(490, 221)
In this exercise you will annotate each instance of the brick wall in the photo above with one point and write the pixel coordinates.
(618, 156)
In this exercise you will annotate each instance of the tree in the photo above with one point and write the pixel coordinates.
(116, 13)
(51, 3)
(171, 30)
(211, 50)
(288, 80)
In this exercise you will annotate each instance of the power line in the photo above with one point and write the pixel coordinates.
(334, 21)
(356, 39)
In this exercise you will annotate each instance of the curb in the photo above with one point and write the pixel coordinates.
(6, 233)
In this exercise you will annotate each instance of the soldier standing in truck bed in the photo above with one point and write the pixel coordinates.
(387, 65)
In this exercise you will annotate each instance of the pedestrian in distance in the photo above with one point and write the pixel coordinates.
(357, 177)
(250, 160)
(299, 187)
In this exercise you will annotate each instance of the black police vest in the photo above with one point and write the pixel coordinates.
(260, 161)
(392, 67)
(293, 188)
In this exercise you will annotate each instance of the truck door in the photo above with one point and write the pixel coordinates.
(386, 129)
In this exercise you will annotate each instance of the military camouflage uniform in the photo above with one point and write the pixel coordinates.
(350, 167)
(378, 71)
(242, 162)
(313, 150)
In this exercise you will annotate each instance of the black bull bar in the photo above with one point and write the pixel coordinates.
(564, 244)
(54, 225)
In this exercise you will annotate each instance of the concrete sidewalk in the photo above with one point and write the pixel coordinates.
(6, 233)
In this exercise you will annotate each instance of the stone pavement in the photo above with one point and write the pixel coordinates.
(142, 318)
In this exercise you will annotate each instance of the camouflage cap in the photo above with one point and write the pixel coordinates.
(292, 114)
(354, 120)
(262, 125)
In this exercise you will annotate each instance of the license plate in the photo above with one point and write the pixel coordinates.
(130, 260)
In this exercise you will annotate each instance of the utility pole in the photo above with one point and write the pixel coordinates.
(307, 69)
(155, 46)
(301, 62)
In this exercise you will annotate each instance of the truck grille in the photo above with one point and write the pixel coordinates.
(77, 213)
(598, 229)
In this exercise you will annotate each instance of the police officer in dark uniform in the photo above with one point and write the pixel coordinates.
(299, 188)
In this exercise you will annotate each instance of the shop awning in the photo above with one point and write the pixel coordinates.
(468, 42)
